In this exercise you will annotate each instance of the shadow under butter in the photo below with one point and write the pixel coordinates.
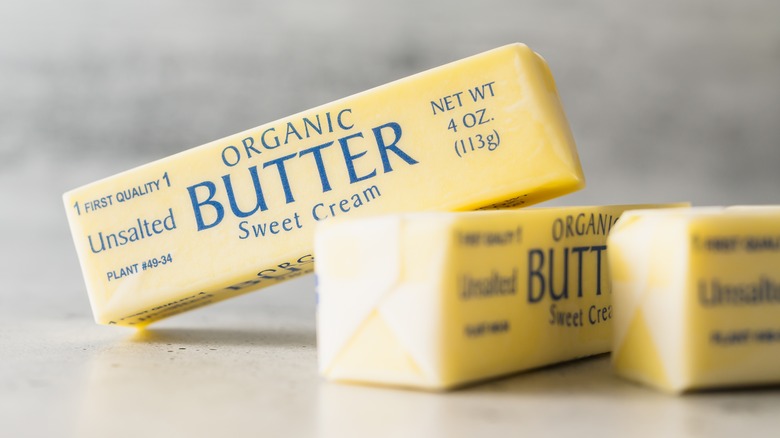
(212, 336)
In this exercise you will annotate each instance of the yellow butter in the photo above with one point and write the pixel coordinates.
(438, 300)
(696, 297)
(238, 214)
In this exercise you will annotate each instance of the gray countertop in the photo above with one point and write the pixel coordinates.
(668, 101)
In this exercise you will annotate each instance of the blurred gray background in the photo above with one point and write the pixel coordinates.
(668, 100)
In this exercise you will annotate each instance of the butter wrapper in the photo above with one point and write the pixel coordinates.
(238, 214)
(440, 300)
(696, 297)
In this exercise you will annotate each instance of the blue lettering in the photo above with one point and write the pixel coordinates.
(235, 153)
(316, 128)
(349, 159)
(579, 250)
(211, 188)
(291, 130)
(265, 143)
(279, 163)
(249, 145)
(341, 123)
(384, 147)
(260, 199)
(535, 272)
(92, 246)
(316, 152)
(314, 213)
(564, 293)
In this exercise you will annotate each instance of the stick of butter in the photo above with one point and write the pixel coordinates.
(439, 300)
(696, 297)
(238, 214)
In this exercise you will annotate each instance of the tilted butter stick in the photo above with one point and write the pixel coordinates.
(238, 214)
(697, 297)
(439, 300)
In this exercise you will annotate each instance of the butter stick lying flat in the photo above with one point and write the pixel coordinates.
(238, 214)
(697, 297)
(439, 300)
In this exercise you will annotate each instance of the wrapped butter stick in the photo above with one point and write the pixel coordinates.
(238, 214)
(697, 297)
(440, 300)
